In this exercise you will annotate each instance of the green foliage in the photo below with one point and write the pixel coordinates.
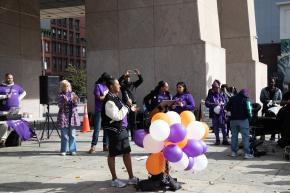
(78, 79)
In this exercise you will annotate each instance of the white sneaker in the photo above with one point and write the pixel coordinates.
(63, 153)
(234, 154)
(248, 156)
(118, 183)
(73, 153)
(133, 181)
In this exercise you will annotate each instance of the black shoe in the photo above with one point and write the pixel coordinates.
(217, 142)
(2, 143)
(226, 143)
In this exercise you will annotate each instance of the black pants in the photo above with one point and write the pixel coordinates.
(132, 123)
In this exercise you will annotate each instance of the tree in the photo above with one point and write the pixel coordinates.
(78, 79)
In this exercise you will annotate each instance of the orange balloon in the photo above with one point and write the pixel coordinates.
(182, 143)
(161, 116)
(166, 143)
(155, 163)
(186, 118)
(206, 130)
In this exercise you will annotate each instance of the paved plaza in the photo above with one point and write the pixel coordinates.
(31, 168)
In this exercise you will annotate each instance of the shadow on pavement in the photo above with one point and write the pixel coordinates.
(55, 153)
(87, 186)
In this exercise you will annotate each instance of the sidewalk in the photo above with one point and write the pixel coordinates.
(30, 168)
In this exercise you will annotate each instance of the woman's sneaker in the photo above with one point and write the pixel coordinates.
(234, 154)
(133, 181)
(248, 156)
(63, 153)
(118, 183)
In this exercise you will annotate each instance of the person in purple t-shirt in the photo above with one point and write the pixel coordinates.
(10, 94)
(184, 100)
(100, 93)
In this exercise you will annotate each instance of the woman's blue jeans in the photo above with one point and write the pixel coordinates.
(97, 128)
(68, 140)
(241, 126)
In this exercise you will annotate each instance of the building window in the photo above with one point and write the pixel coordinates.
(59, 63)
(54, 63)
(59, 33)
(59, 48)
(53, 47)
(77, 24)
(78, 37)
(78, 51)
(64, 35)
(71, 62)
(70, 20)
(53, 32)
(78, 63)
(65, 63)
(59, 22)
(71, 36)
(83, 52)
(71, 50)
(46, 46)
(64, 22)
(47, 61)
(64, 49)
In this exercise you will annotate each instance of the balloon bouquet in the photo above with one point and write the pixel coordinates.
(175, 138)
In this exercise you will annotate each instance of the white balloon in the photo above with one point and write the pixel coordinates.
(174, 117)
(217, 110)
(151, 145)
(195, 130)
(200, 163)
(159, 130)
(181, 164)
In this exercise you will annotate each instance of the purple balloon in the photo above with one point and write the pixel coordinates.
(204, 146)
(190, 164)
(177, 133)
(193, 148)
(172, 153)
(139, 135)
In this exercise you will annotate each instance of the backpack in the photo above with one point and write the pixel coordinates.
(158, 182)
(13, 140)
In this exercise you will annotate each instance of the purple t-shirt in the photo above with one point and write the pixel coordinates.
(125, 122)
(162, 97)
(13, 101)
(100, 90)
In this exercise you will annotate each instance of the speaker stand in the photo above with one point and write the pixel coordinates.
(49, 122)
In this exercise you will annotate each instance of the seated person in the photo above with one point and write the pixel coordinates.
(283, 117)
(10, 96)
(286, 96)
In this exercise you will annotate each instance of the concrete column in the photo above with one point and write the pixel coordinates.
(171, 40)
(20, 48)
(238, 37)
